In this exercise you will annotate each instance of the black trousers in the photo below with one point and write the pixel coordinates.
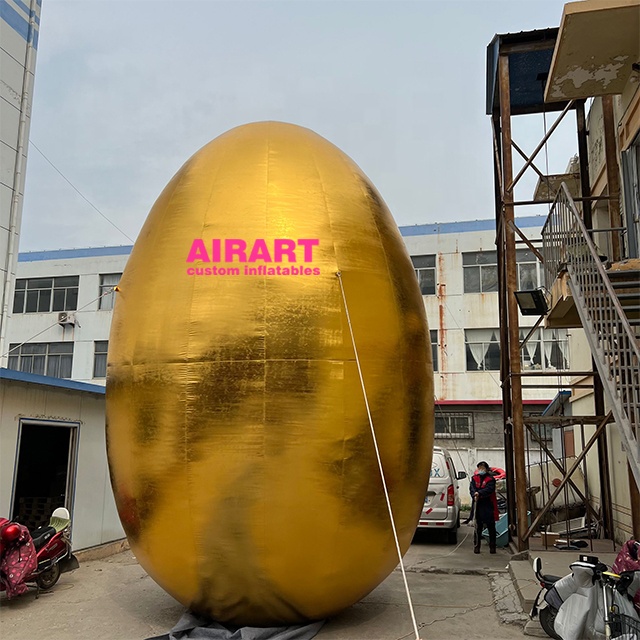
(480, 524)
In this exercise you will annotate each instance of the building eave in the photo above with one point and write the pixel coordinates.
(597, 46)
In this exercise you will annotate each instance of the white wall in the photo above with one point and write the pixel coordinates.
(95, 520)
(452, 311)
(93, 323)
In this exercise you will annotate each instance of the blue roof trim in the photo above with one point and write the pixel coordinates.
(61, 254)
(34, 378)
(467, 226)
(554, 407)
(415, 230)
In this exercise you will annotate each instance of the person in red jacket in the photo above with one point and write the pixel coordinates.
(483, 493)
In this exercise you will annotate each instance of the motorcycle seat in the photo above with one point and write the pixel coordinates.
(41, 536)
(550, 579)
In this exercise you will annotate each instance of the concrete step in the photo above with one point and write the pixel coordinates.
(525, 583)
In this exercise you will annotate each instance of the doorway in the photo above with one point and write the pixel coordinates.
(45, 471)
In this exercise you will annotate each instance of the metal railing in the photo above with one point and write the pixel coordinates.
(568, 246)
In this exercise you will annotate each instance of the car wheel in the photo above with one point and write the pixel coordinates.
(452, 536)
(48, 578)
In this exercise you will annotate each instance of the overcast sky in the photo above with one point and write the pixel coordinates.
(126, 91)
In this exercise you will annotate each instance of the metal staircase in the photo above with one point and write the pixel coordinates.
(608, 304)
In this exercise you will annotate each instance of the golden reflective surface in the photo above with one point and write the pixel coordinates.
(240, 451)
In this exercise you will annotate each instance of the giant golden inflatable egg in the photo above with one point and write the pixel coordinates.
(241, 455)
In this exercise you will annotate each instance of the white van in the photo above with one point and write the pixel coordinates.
(441, 508)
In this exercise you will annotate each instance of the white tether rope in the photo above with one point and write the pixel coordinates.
(377, 450)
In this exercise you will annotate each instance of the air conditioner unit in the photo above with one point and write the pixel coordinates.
(64, 318)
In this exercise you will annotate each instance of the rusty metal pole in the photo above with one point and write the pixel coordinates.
(583, 157)
(512, 307)
(613, 176)
(504, 353)
(606, 506)
(635, 504)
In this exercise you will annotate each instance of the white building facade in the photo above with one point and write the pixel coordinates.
(62, 310)
(19, 28)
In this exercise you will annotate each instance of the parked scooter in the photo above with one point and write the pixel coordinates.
(551, 600)
(589, 603)
(41, 557)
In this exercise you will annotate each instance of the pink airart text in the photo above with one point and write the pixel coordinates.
(238, 250)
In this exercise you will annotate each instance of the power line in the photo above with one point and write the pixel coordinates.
(93, 206)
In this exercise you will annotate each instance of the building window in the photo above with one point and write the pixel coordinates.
(41, 295)
(46, 358)
(480, 271)
(453, 425)
(425, 267)
(434, 348)
(100, 358)
(107, 295)
(546, 350)
(483, 349)
(529, 270)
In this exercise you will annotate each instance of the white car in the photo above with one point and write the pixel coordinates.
(441, 508)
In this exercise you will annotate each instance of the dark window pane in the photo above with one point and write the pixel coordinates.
(61, 347)
(18, 302)
(427, 281)
(480, 257)
(471, 279)
(423, 261)
(487, 257)
(25, 364)
(100, 366)
(492, 357)
(21, 284)
(13, 363)
(32, 301)
(39, 283)
(489, 279)
(72, 299)
(53, 366)
(67, 281)
(527, 277)
(525, 255)
(44, 303)
(472, 365)
(34, 347)
(58, 300)
(65, 366)
(38, 365)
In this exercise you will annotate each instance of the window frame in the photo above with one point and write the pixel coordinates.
(103, 358)
(467, 435)
(550, 344)
(480, 267)
(51, 354)
(54, 291)
(426, 264)
(107, 302)
(491, 344)
(433, 333)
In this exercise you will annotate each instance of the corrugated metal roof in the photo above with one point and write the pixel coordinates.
(49, 381)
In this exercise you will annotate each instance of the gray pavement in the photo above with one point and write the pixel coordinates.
(455, 595)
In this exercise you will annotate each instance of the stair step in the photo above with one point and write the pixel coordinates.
(622, 274)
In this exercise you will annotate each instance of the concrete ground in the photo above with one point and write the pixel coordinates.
(455, 593)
